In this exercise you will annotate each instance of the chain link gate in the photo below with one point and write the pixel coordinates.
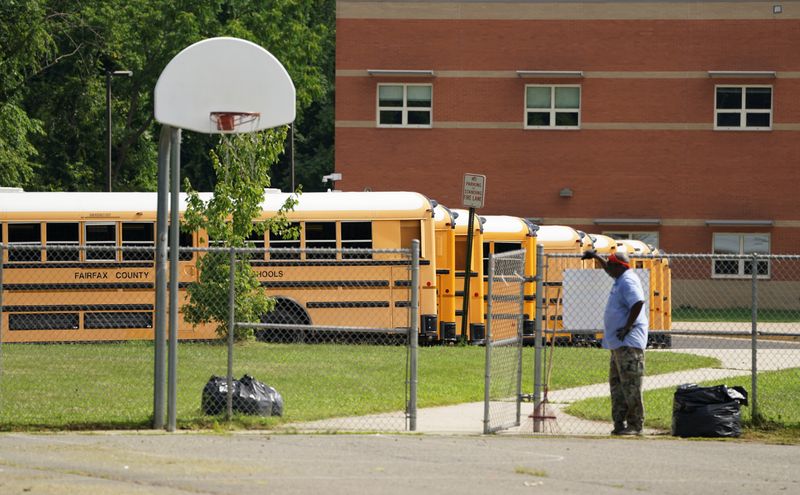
(504, 319)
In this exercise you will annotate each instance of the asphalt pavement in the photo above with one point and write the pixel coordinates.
(259, 463)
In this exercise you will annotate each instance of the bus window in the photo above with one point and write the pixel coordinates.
(486, 251)
(138, 235)
(43, 321)
(101, 239)
(357, 235)
(63, 234)
(255, 240)
(499, 248)
(461, 252)
(185, 239)
(410, 230)
(24, 233)
(276, 241)
(320, 235)
(504, 247)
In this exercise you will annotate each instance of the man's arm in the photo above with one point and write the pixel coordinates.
(634, 313)
(591, 254)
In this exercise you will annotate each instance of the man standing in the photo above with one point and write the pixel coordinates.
(625, 335)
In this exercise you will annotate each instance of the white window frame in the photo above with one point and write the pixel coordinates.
(741, 262)
(553, 110)
(634, 235)
(743, 111)
(403, 109)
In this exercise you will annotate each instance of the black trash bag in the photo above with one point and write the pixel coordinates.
(249, 396)
(707, 411)
(215, 395)
(254, 397)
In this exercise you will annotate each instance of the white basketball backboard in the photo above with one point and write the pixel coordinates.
(224, 75)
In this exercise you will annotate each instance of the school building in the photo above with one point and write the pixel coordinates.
(676, 122)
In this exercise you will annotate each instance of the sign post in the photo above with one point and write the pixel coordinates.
(473, 194)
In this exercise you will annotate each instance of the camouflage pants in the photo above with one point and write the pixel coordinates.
(625, 375)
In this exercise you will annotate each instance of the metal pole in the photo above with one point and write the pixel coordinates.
(231, 328)
(487, 374)
(754, 344)
(2, 254)
(108, 129)
(291, 147)
(467, 277)
(537, 354)
(161, 277)
(520, 323)
(413, 337)
(174, 230)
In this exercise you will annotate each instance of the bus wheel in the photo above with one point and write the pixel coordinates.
(286, 312)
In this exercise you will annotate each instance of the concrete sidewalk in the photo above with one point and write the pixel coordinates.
(467, 418)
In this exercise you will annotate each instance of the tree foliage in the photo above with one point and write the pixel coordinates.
(241, 164)
(54, 55)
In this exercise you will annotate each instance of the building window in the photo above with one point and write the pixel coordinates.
(405, 105)
(740, 244)
(649, 238)
(552, 107)
(743, 107)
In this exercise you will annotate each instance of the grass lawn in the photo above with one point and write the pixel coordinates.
(93, 386)
(778, 404)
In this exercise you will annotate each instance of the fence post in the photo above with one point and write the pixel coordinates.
(487, 374)
(2, 254)
(520, 323)
(413, 336)
(754, 343)
(231, 329)
(537, 354)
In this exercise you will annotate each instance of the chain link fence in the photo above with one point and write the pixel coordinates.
(713, 320)
(338, 352)
(331, 348)
(504, 319)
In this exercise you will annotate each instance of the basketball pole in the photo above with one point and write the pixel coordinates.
(162, 243)
(167, 330)
(175, 188)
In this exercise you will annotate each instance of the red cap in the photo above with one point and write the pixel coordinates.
(614, 259)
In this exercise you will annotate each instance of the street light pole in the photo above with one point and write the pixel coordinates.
(110, 74)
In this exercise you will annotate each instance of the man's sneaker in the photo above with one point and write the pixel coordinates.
(618, 429)
(631, 431)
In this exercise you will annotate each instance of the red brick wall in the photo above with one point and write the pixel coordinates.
(646, 148)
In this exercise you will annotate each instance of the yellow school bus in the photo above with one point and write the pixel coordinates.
(54, 290)
(476, 321)
(604, 245)
(557, 239)
(501, 234)
(445, 227)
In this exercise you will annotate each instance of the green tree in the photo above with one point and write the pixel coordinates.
(26, 48)
(52, 81)
(241, 163)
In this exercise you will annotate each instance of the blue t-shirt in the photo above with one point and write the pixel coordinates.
(626, 291)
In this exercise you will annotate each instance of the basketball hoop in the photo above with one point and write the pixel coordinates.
(228, 121)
